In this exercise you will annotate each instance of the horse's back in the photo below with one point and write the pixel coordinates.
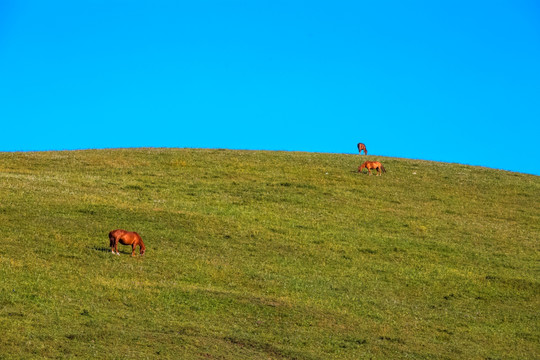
(371, 164)
(116, 233)
(124, 237)
(130, 237)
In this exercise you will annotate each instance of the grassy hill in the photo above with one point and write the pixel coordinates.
(266, 255)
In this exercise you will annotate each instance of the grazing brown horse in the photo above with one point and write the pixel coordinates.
(372, 165)
(126, 238)
(362, 147)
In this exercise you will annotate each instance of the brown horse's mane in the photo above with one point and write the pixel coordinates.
(141, 243)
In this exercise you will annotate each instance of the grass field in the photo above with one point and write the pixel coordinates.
(266, 255)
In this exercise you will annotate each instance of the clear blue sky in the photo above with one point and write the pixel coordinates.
(454, 81)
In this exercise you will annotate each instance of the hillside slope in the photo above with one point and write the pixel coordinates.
(258, 255)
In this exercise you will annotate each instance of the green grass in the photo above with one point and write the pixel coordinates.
(266, 255)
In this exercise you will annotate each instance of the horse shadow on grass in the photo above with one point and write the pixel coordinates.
(108, 250)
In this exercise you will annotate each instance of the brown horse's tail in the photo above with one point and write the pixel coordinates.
(383, 169)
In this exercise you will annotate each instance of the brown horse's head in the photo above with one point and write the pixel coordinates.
(361, 167)
(142, 248)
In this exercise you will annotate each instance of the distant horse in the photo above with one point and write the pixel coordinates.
(372, 165)
(126, 238)
(362, 147)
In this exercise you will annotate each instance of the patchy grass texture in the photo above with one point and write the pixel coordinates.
(266, 255)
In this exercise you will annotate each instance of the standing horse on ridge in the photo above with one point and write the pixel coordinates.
(362, 147)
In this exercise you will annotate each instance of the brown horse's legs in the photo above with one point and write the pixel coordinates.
(116, 246)
(133, 247)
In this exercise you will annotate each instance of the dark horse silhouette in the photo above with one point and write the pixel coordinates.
(362, 147)
(126, 238)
